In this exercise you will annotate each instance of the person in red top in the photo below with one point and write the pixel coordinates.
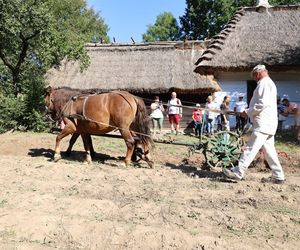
(197, 119)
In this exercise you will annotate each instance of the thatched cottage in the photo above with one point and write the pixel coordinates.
(256, 35)
(146, 69)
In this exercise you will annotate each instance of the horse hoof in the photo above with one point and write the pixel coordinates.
(88, 159)
(151, 164)
(68, 153)
(124, 164)
(87, 162)
(56, 157)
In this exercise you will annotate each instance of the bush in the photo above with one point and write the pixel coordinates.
(12, 112)
(35, 118)
(25, 111)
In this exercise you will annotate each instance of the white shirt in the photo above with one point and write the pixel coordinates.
(156, 111)
(172, 110)
(210, 114)
(240, 106)
(263, 107)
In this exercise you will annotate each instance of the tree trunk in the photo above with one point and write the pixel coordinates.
(16, 82)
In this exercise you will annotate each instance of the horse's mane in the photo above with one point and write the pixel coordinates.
(62, 95)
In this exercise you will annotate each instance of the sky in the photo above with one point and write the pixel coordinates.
(129, 18)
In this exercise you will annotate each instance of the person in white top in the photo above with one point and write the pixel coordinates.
(209, 115)
(292, 108)
(282, 116)
(263, 115)
(241, 121)
(156, 115)
(174, 112)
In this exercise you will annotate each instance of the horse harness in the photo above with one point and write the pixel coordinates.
(82, 116)
(70, 103)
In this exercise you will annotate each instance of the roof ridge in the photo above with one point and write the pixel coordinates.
(144, 44)
(277, 7)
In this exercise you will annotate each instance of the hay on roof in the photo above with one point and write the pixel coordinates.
(257, 35)
(139, 68)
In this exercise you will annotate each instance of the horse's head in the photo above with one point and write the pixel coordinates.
(51, 112)
(142, 151)
(47, 97)
(55, 100)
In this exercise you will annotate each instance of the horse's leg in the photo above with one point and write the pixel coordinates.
(68, 129)
(71, 143)
(130, 145)
(89, 140)
(86, 142)
(148, 156)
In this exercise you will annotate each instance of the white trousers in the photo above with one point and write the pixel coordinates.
(257, 141)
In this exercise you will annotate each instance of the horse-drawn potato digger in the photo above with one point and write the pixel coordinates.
(99, 114)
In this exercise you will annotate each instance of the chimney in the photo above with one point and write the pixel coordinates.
(263, 3)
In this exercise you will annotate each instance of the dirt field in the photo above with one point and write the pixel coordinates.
(69, 205)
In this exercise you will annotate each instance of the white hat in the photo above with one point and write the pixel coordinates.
(197, 105)
(259, 67)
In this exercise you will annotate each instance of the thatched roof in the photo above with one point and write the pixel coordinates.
(142, 68)
(255, 35)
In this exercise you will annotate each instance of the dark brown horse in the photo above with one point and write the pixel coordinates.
(99, 114)
(56, 99)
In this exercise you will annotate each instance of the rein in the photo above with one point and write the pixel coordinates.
(80, 117)
(70, 104)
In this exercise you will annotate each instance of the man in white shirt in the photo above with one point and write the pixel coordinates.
(209, 116)
(263, 115)
(174, 112)
(241, 121)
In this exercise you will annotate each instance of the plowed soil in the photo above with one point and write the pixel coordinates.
(71, 205)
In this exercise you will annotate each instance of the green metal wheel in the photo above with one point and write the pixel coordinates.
(223, 149)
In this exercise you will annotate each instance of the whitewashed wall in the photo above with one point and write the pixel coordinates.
(233, 89)
(235, 84)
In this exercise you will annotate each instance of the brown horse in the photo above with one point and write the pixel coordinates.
(99, 114)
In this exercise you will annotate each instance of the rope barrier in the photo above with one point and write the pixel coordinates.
(83, 117)
(203, 108)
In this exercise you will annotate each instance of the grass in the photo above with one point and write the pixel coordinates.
(7, 233)
(285, 141)
(3, 203)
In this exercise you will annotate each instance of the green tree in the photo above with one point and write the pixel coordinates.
(204, 18)
(165, 29)
(36, 35)
(43, 32)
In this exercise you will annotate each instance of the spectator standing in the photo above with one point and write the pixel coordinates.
(209, 115)
(156, 115)
(174, 112)
(263, 115)
(282, 114)
(241, 120)
(197, 120)
(225, 117)
(292, 108)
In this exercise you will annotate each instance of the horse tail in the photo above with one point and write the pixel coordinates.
(141, 123)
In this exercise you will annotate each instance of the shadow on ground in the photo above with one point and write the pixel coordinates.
(75, 155)
(193, 172)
